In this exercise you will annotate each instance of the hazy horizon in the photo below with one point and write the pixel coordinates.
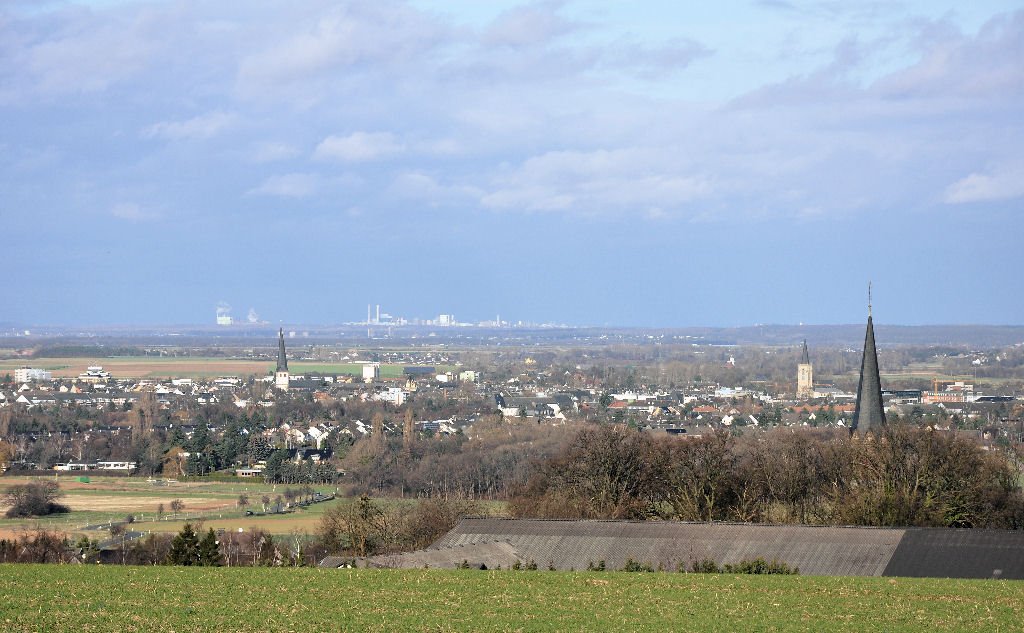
(519, 323)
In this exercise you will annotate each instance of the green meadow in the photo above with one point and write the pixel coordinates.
(92, 598)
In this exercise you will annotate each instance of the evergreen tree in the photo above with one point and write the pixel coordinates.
(209, 551)
(184, 547)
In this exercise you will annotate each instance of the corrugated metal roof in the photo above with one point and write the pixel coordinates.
(815, 550)
(485, 554)
(827, 551)
(949, 553)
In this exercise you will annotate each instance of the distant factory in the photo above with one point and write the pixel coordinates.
(224, 316)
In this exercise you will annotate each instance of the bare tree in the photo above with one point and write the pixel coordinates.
(177, 505)
(35, 498)
(118, 531)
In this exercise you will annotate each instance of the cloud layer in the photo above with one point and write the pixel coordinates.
(383, 119)
(531, 109)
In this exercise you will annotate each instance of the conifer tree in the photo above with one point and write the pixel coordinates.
(209, 551)
(184, 547)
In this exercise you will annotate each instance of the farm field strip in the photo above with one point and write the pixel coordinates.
(92, 598)
(179, 367)
(110, 499)
(144, 366)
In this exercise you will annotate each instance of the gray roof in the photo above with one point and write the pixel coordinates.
(826, 551)
(487, 555)
(869, 413)
(815, 550)
(947, 553)
(805, 358)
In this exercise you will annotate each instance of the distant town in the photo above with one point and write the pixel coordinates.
(56, 417)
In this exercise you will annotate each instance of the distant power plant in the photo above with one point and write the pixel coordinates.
(374, 316)
(224, 316)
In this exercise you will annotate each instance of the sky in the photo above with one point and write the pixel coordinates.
(584, 162)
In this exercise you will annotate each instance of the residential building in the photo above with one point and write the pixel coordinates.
(28, 374)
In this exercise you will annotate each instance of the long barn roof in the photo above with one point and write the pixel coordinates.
(815, 550)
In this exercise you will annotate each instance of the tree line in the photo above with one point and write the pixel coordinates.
(899, 476)
(356, 528)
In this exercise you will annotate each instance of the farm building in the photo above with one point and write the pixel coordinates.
(815, 550)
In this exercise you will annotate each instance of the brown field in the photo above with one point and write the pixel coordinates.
(301, 521)
(145, 367)
(123, 503)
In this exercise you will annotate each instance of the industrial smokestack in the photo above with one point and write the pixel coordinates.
(378, 313)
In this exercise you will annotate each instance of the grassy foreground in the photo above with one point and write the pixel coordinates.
(91, 598)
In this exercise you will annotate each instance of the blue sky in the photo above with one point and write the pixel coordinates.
(655, 163)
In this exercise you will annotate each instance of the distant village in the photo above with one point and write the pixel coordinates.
(292, 408)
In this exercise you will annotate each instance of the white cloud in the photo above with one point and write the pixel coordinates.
(1002, 184)
(531, 111)
(370, 34)
(652, 61)
(955, 65)
(426, 189)
(269, 152)
(200, 127)
(133, 212)
(358, 147)
(602, 181)
(79, 51)
(527, 25)
(296, 185)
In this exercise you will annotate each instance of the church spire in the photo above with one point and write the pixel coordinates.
(282, 358)
(869, 413)
(805, 376)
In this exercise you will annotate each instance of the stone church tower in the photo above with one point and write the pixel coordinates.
(805, 376)
(281, 374)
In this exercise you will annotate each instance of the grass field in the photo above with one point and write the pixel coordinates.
(159, 367)
(89, 598)
(106, 499)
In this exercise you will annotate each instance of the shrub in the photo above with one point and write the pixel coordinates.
(633, 565)
(757, 566)
(705, 566)
(33, 499)
(36, 546)
(760, 566)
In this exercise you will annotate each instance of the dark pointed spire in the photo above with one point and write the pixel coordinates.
(805, 359)
(870, 414)
(282, 359)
